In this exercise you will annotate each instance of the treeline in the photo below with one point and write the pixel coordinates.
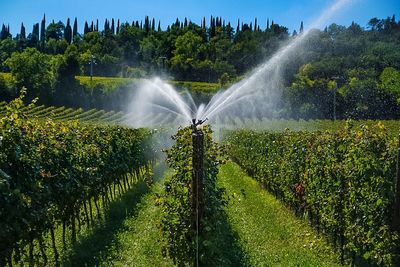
(341, 71)
(188, 50)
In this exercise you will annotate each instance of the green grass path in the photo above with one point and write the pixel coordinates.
(269, 233)
(138, 241)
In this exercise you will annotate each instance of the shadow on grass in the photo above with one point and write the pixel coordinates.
(91, 249)
(222, 247)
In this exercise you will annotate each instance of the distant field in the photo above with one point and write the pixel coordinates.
(280, 125)
(113, 83)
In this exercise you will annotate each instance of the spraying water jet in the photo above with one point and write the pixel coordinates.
(255, 97)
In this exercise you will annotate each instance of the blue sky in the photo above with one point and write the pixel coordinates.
(286, 13)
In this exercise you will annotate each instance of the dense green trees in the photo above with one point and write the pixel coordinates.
(33, 70)
(218, 53)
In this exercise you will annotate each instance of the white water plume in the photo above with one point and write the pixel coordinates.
(157, 103)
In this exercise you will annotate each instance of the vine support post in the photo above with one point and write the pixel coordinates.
(197, 183)
(396, 210)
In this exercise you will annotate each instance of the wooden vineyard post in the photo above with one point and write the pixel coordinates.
(197, 183)
(396, 209)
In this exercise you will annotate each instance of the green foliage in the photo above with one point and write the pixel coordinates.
(49, 170)
(33, 70)
(390, 81)
(177, 201)
(343, 182)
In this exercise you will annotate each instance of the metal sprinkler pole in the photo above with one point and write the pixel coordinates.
(197, 181)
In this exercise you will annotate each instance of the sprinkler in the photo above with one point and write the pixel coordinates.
(195, 124)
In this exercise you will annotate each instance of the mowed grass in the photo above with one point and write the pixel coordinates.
(138, 241)
(269, 233)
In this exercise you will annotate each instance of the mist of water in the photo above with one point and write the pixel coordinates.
(156, 103)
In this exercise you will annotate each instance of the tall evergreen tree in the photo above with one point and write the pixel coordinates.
(186, 23)
(35, 34)
(267, 24)
(75, 28)
(255, 24)
(86, 28)
(112, 26)
(97, 25)
(3, 33)
(229, 29)
(118, 27)
(43, 30)
(68, 32)
(147, 24)
(159, 26)
(237, 28)
(106, 27)
(22, 33)
(153, 25)
(301, 27)
(204, 23)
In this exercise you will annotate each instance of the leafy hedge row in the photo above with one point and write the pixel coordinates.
(49, 171)
(343, 181)
(177, 202)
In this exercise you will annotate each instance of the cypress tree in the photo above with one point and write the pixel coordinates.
(118, 27)
(204, 23)
(267, 24)
(68, 32)
(177, 23)
(106, 26)
(86, 29)
(159, 26)
(301, 27)
(251, 26)
(3, 32)
(186, 23)
(22, 33)
(255, 24)
(146, 24)
(229, 30)
(212, 26)
(75, 28)
(137, 24)
(112, 26)
(35, 33)
(92, 27)
(97, 25)
(43, 30)
(153, 25)
(237, 28)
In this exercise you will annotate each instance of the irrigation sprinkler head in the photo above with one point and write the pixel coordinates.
(195, 124)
